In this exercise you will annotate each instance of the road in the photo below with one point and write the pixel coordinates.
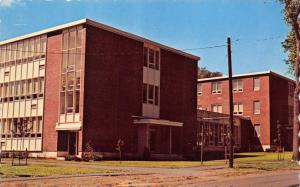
(286, 179)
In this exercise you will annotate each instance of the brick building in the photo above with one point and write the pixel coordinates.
(265, 97)
(85, 82)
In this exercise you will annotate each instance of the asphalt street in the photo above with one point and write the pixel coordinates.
(291, 179)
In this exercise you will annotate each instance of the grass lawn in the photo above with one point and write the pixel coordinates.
(45, 170)
(243, 163)
(241, 159)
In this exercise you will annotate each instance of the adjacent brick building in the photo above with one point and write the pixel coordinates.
(265, 97)
(88, 83)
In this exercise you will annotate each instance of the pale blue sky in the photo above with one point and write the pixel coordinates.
(256, 24)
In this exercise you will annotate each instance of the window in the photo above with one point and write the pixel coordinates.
(71, 70)
(150, 94)
(256, 83)
(33, 106)
(216, 108)
(199, 89)
(238, 109)
(216, 87)
(151, 58)
(237, 85)
(256, 107)
(6, 73)
(41, 67)
(256, 130)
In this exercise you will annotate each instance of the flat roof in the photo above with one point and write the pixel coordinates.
(104, 27)
(245, 75)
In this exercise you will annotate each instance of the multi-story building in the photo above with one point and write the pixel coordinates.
(87, 83)
(265, 97)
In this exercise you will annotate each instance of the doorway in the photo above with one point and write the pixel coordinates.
(72, 143)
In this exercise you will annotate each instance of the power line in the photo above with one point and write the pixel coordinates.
(208, 47)
(237, 41)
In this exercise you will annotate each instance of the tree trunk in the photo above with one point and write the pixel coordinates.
(296, 107)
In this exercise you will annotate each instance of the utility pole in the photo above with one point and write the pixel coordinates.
(230, 132)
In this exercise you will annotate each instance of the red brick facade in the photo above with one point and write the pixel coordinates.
(273, 97)
(96, 78)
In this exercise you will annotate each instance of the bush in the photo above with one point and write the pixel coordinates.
(97, 157)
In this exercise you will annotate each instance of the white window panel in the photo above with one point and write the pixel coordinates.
(16, 108)
(10, 109)
(18, 72)
(24, 71)
(256, 84)
(40, 107)
(28, 108)
(12, 73)
(256, 107)
(22, 108)
(1, 74)
(35, 69)
(30, 70)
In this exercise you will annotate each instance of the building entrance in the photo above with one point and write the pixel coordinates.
(72, 143)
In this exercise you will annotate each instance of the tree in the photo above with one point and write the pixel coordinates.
(205, 73)
(292, 47)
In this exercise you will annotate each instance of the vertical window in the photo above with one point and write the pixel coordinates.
(256, 130)
(72, 40)
(70, 70)
(216, 108)
(151, 58)
(65, 41)
(157, 59)
(256, 83)
(237, 85)
(62, 102)
(199, 89)
(150, 94)
(70, 102)
(144, 93)
(156, 95)
(77, 93)
(256, 106)
(238, 109)
(216, 87)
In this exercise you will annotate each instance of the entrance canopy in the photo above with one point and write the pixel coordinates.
(153, 121)
(68, 126)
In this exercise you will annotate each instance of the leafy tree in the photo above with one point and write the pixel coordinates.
(292, 47)
(205, 73)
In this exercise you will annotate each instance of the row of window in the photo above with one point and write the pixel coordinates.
(150, 94)
(237, 86)
(238, 108)
(151, 58)
(215, 134)
(22, 88)
(21, 127)
(29, 48)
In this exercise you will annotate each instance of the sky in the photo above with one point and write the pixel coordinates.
(256, 27)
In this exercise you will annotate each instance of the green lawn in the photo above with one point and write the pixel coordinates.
(243, 163)
(45, 170)
(241, 158)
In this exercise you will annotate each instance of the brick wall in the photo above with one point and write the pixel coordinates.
(178, 98)
(246, 97)
(51, 93)
(113, 90)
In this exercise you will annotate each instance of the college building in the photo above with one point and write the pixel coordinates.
(266, 98)
(87, 83)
